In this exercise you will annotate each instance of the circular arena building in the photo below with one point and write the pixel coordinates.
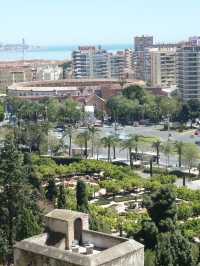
(66, 88)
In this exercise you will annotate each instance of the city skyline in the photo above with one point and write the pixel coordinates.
(66, 23)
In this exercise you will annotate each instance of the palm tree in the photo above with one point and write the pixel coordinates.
(115, 141)
(93, 132)
(179, 149)
(97, 144)
(69, 133)
(130, 144)
(85, 137)
(108, 142)
(157, 146)
(167, 150)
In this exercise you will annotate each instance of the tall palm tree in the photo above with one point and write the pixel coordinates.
(69, 133)
(93, 132)
(157, 146)
(179, 150)
(85, 137)
(167, 150)
(131, 144)
(108, 142)
(115, 142)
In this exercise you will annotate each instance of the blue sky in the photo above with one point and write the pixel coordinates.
(62, 22)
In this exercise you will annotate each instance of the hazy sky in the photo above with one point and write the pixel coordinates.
(97, 21)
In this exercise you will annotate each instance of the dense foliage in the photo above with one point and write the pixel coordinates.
(17, 203)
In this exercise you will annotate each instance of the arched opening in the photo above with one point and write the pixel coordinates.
(78, 227)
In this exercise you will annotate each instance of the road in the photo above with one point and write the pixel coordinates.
(151, 131)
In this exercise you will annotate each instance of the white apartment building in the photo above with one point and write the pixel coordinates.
(188, 72)
(117, 65)
(141, 57)
(163, 67)
(128, 68)
(92, 62)
(83, 62)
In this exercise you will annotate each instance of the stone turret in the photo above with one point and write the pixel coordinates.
(66, 223)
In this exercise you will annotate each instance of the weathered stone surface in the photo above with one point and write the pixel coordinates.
(62, 227)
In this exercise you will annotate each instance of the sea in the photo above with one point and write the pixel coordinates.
(53, 52)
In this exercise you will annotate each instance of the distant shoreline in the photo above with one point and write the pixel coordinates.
(52, 52)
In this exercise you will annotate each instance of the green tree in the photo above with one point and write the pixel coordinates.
(115, 142)
(69, 132)
(84, 137)
(108, 142)
(62, 200)
(33, 136)
(190, 155)
(53, 109)
(179, 146)
(157, 146)
(148, 234)
(149, 258)
(93, 132)
(54, 144)
(130, 144)
(1, 112)
(70, 112)
(124, 110)
(28, 224)
(173, 250)
(15, 193)
(4, 250)
(135, 92)
(51, 190)
(82, 196)
(161, 207)
(194, 110)
(11, 181)
(167, 149)
(169, 107)
(31, 175)
(183, 114)
(111, 186)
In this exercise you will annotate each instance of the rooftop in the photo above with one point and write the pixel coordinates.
(64, 214)
(67, 239)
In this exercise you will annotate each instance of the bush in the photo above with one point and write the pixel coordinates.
(190, 228)
(185, 211)
(188, 194)
(156, 170)
(149, 258)
(165, 179)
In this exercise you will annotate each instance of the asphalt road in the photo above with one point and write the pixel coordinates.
(151, 131)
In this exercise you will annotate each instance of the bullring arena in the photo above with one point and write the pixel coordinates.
(68, 88)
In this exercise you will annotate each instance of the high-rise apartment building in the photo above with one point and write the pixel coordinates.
(92, 62)
(117, 64)
(83, 62)
(101, 64)
(188, 71)
(163, 67)
(195, 40)
(142, 64)
(142, 42)
(128, 67)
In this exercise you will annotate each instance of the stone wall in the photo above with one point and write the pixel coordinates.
(32, 254)
(24, 258)
(101, 240)
(133, 259)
